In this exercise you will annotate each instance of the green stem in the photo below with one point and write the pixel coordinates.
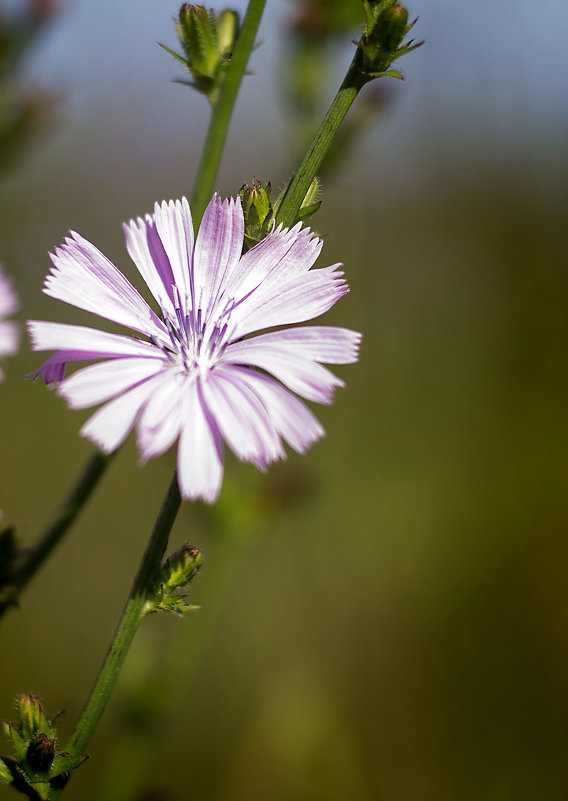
(55, 531)
(289, 207)
(134, 611)
(223, 109)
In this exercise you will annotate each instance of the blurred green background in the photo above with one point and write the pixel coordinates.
(386, 617)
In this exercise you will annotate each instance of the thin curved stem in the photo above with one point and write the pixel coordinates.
(223, 110)
(296, 192)
(53, 534)
(132, 615)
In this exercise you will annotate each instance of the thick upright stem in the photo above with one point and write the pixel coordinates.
(132, 615)
(223, 110)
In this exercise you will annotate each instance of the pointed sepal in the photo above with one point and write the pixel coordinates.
(176, 574)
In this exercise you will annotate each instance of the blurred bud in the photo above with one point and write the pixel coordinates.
(40, 754)
(257, 210)
(386, 25)
(43, 10)
(31, 717)
(207, 41)
(227, 29)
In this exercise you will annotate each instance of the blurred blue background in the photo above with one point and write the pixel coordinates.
(386, 617)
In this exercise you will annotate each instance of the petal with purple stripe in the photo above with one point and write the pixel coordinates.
(200, 462)
(301, 298)
(101, 382)
(175, 229)
(242, 418)
(113, 422)
(160, 422)
(320, 343)
(291, 418)
(217, 250)
(83, 277)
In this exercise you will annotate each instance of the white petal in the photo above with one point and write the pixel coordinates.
(217, 250)
(8, 299)
(200, 465)
(242, 418)
(175, 228)
(284, 253)
(299, 299)
(291, 418)
(306, 377)
(147, 252)
(317, 342)
(160, 422)
(112, 423)
(83, 277)
(9, 338)
(59, 336)
(101, 382)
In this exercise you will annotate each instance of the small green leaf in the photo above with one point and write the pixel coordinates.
(20, 745)
(7, 766)
(66, 763)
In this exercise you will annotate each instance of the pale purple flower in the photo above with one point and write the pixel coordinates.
(198, 377)
(9, 332)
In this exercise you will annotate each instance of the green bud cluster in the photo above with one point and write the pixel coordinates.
(386, 25)
(176, 574)
(207, 41)
(38, 767)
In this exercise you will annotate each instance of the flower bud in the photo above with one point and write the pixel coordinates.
(390, 29)
(257, 210)
(40, 754)
(180, 568)
(207, 41)
(31, 717)
(382, 40)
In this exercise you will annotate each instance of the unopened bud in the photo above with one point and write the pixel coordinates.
(257, 210)
(382, 40)
(390, 29)
(40, 754)
(207, 40)
(31, 716)
(180, 568)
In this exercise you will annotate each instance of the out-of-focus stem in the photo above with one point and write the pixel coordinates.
(223, 110)
(52, 535)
